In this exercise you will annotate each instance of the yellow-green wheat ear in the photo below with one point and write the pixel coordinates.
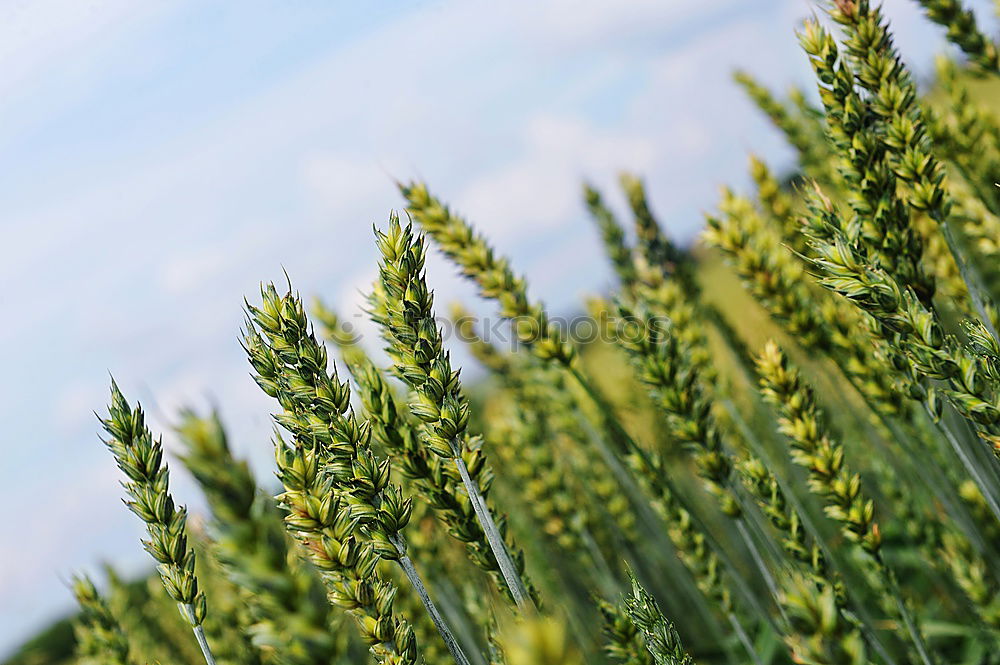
(817, 450)
(437, 397)
(288, 611)
(140, 457)
(659, 252)
(373, 509)
(824, 636)
(100, 639)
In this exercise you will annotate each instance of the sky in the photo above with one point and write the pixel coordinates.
(158, 160)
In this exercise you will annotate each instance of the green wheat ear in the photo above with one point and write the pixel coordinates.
(623, 641)
(823, 636)
(100, 639)
(797, 124)
(140, 457)
(963, 31)
(905, 322)
(662, 640)
(613, 237)
(817, 450)
(285, 598)
(901, 132)
(420, 360)
(292, 364)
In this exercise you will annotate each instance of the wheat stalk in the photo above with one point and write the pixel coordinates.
(437, 392)
(140, 457)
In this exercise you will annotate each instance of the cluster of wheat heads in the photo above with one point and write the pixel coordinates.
(822, 486)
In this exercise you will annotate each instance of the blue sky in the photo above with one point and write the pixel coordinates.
(159, 159)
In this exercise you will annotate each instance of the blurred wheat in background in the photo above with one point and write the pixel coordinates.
(781, 445)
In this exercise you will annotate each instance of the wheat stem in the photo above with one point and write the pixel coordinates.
(973, 280)
(912, 628)
(507, 568)
(758, 560)
(974, 467)
(418, 585)
(741, 635)
(199, 633)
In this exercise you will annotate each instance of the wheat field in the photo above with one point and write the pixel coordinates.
(779, 445)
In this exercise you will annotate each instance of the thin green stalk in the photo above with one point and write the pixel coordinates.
(758, 560)
(199, 634)
(514, 582)
(965, 454)
(912, 628)
(741, 635)
(418, 585)
(438, 400)
(981, 299)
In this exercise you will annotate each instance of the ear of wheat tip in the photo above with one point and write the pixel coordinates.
(140, 457)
